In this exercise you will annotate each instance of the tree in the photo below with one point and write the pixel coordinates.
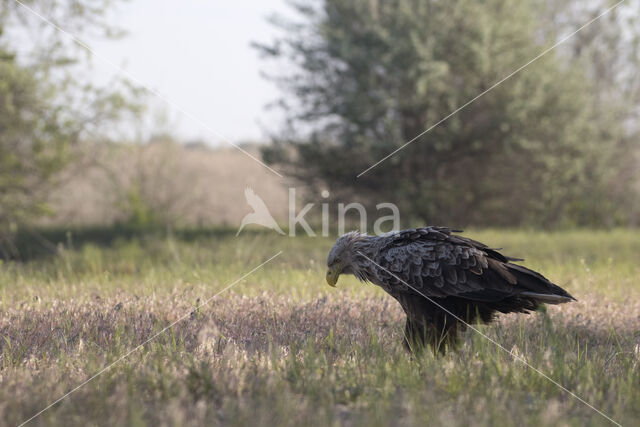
(45, 108)
(609, 52)
(371, 75)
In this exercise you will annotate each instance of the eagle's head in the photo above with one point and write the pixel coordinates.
(344, 257)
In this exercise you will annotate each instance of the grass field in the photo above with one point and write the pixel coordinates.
(282, 348)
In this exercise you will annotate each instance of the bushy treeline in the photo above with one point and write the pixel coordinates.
(46, 108)
(554, 145)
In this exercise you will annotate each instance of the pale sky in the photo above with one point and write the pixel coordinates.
(197, 54)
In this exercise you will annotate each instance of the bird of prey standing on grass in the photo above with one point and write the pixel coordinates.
(442, 280)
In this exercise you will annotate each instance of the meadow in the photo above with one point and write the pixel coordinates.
(280, 347)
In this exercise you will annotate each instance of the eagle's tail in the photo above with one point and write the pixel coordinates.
(533, 285)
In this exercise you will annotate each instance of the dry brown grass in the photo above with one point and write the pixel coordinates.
(188, 186)
(255, 323)
(233, 354)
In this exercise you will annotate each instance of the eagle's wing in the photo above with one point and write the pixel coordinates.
(438, 263)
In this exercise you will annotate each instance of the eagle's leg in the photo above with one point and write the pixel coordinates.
(427, 325)
(439, 335)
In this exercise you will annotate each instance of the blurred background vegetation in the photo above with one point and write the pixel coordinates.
(554, 146)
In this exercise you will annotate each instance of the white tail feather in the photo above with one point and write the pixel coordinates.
(547, 298)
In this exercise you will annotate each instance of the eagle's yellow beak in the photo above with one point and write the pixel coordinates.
(333, 273)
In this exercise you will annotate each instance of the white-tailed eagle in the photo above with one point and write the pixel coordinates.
(441, 280)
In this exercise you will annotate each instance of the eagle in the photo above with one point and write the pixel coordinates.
(443, 281)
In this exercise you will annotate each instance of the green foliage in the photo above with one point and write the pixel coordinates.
(34, 143)
(46, 110)
(141, 214)
(371, 75)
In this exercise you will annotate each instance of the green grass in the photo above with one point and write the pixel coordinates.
(283, 348)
